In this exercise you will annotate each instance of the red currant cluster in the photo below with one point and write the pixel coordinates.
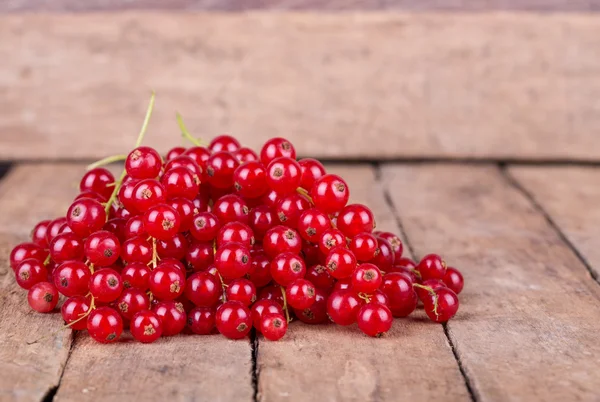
(221, 238)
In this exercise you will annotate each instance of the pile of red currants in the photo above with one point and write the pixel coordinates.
(219, 238)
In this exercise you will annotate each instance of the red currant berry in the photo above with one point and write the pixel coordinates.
(185, 209)
(454, 280)
(184, 161)
(131, 301)
(231, 208)
(203, 289)
(300, 294)
(71, 278)
(65, 247)
(180, 182)
(289, 208)
(312, 223)
(167, 282)
(260, 270)
(275, 148)
(136, 275)
(143, 163)
(364, 246)
(105, 325)
(201, 320)
(42, 297)
(199, 155)
(174, 153)
(271, 292)
(281, 239)
(98, 180)
(343, 307)
(312, 170)
(224, 142)
(432, 267)
(199, 256)
(241, 290)
(219, 169)
(105, 285)
(261, 220)
(26, 251)
(172, 317)
(102, 248)
(399, 290)
(434, 284)
(330, 193)
(319, 275)
(233, 260)
(311, 253)
(29, 272)
(136, 249)
(340, 262)
(366, 278)
(443, 306)
(283, 175)
(330, 239)
(117, 227)
(135, 227)
(162, 222)
(354, 219)
(380, 297)
(384, 256)
(245, 155)
(374, 319)
(406, 263)
(236, 232)
(176, 247)
(146, 194)
(54, 227)
(146, 326)
(205, 226)
(270, 199)
(250, 180)
(287, 267)
(86, 216)
(38, 234)
(126, 195)
(73, 311)
(233, 320)
(273, 326)
(263, 307)
(395, 242)
(317, 312)
(342, 284)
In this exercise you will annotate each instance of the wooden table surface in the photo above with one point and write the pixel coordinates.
(472, 128)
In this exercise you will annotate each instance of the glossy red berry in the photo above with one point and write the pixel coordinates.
(340, 262)
(366, 278)
(73, 312)
(319, 275)
(271, 292)
(219, 169)
(374, 319)
(71, 278)
(260, 270)
(199, 155)
(233, 260)
(443, 306)
(283, 175)
(317, 312)
(312, 170)
(330, 193)
(105, 325)
(342, 284)
(399, 290)
(434, 284)
(281, 239)
(343, 307)
(180, 182)
(432, 266)
(105, 285)
(185, 209)
(260, 220)
(25, 251)
(135, 227)
(233, 320)
(241, 290)
(273, 326)
(312, 224)
(172, 317)
(354, 219)
(395, 242)
(203, 289)
(205, 226)
(131, 301)
(289, 208)
(364, 246)
(38, 234)
(245, 154)
(300, 294)
(86, 216)
(54, 228)
(250, 180)
(174, 153)
(136, 249)
(263, 307)
(224, 142)
(98, 180)
(145, 326)
(201, 320)
(102, 248)
(42, 297)
(167, 282)
(275, 148)
(117, 227)
(331, 238)
(143, 163)
(136, 275)
(162, 222)
(230, 208)
(146, 194)
(287, 267)
(65, 247)
(199, 256)
(29, 272)
(270, 199)
(454, 280)
(236, 232)
(176, 247)
(384, 256)
(406, 263)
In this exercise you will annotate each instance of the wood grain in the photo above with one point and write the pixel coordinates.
(28, 194)
(325, 5)
(333, 363)
(527, 326)
(375, 86)
(570, 196)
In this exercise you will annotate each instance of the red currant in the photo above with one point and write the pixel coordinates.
(162, 222)
(312, 170)
(73, 311)
(355, 219)
(180, 182)
(261, 220)
(287, 267)
(167, 282)
(340, 262)
(263, 307)
(176, 247)
(273, 326)
(105, 285)
(260, 270)
(434, 284)
(54, 227)
(454, 280)
(143, 163)
(241, 290)
(289, 208)
(395, 242)
(98, 180)
(203, 289)
(135, 227)
(42, 297)
(281, 239)
(432, 267)
(271, 292)
(275, 148)
(343, 307)
(199, 256)
(131, 301)
(71, 278)
(443, 306)
(331, 238)
(38, 234)
(384, 256)
(245, 155)
(146, 194)
(399, 290)
(330, 193)
(233, 320)
(250, 180)
(29, 272)
(366, 279)
(136, 249)
(172, 317)
(364, 246)
(219, 169)
(185, 209)
(174, 153)
(205, 226)
(300, 294)
(374, 319)
(283, 175)
(312, 224)
(317, 312)
(201, 320)
(105, 325)
(224, 143)
(65, 247)
(145, 326)
(102, 248)
(233, 260)
(230, 208)
(319, 275)
(236, 232)
(136, 275)
(86, 216)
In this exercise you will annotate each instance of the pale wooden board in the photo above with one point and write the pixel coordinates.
(571, 197)
(29, 194)
(346, 85)
(413, 362)
(528, 323)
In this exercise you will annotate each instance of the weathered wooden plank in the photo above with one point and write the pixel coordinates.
(326, 5)
(570, 196)
(412, 362)
(377, 85)
(527, 326)
(28, 194)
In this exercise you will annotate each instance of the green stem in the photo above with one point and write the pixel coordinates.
(285, 305)
(185, 133)
(106, 161)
